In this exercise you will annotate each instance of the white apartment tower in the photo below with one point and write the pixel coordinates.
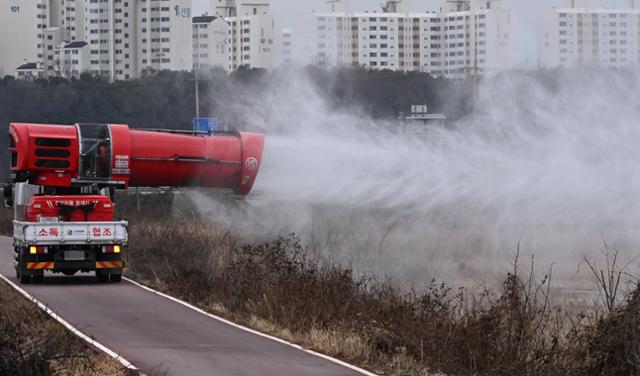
(462, 38)
(117, 39)
(395, 41)
(164, 35)
(584, 36)
(22, 25)
(287, 46)
(211, 42)
(253, 39)
(72, 59)
(476, 39)
(109, 29)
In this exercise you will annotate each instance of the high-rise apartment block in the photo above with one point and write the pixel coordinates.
(22, 25)
(287, 46)
(462, 37)
(253, 38)
(117, 39)
(211, 43)
(579, 35)
(164, 35)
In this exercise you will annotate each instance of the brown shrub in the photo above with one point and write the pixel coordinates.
(513, 332)
(31, 343)
(611, 347)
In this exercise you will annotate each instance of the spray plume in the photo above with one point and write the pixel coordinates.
(548, 161)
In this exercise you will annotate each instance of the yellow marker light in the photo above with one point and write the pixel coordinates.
(33, 249)
(116, 249)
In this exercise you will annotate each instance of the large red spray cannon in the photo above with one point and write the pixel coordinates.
(114, 155)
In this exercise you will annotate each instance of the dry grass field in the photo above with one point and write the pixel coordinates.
(33, 344)
(279, 287)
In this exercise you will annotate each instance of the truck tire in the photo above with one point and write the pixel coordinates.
(38, 278)
(116, 278)
(16, 257)
(22, 276)
(102, 276)
(25, 279)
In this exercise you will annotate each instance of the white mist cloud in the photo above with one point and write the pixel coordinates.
(550, 163)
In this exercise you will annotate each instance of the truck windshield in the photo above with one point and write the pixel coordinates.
(95, 151)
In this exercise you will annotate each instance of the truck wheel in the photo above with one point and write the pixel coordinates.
(20, 269)
(102, 276)
(16, 257)
(38, 278)
(116, 278)
(24, 279)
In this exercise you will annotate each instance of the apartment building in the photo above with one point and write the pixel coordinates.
(378, 40)
(287, 46)
(164, 35)
(581, 36)
(211, 42)
(462, 37)
(22, 25)
(117, 39)
(254, 38)
(73, 59)
(107, 27)
(477, 39)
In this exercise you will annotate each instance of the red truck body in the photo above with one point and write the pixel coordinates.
(72, 208)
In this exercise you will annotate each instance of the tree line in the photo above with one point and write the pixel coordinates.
(166, 99)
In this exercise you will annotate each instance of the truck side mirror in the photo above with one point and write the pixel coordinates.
(7, 192)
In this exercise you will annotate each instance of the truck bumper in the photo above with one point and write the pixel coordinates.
(75, 265)
(55, 262)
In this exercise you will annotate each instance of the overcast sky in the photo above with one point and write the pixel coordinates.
(297, 14)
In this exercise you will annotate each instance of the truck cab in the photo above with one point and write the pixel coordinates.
(66, 234)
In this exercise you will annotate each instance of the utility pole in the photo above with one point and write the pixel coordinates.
(197, 84)
(197, 63)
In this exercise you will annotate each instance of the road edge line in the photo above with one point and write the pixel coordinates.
(252, 331)
(74, 330)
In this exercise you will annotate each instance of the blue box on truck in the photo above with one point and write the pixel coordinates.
(205, 125)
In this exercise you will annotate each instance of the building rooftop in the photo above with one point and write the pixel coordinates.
(77, 44)
(379, 14)
(28, 66)
(204, 19)
(597, 10)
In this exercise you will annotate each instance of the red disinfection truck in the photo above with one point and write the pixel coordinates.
(64, 179)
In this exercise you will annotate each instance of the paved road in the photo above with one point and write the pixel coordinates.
(162, 337)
